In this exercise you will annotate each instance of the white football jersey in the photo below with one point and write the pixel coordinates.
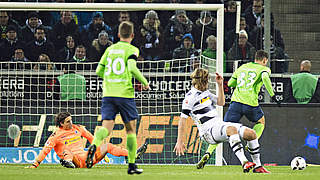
(201, 106)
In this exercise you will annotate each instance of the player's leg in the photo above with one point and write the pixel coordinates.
(234, 115)
(237, 148)
(108, 113)
(256, 115)
(129, 115)
(250, 136)
(67, 160)
(205, 158)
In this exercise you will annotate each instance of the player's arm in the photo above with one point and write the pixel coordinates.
(101, 65)
(44, 152)
(132, 67)
(180, 146)
(186, 110)
(221, 97)
(232, 82)
(267, 83)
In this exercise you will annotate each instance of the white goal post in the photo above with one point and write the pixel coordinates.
(19, 6)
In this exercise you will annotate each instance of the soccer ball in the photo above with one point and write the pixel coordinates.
(298, 163)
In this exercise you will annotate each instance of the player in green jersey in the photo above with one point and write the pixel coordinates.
(247, 81)
(116, 67)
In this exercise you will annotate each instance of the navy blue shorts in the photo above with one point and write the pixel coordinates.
(111, 106)
(237, 110)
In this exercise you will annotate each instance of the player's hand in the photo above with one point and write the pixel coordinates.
(145, 87)
(179, 148)
(219, 79)
(274, 99)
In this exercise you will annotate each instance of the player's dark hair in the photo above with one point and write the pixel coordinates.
(200, 79)
(261, 54)
(59, 118)
(125, 29)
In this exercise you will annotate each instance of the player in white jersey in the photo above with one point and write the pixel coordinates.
(200, 104)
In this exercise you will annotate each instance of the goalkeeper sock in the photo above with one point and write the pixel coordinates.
(132, 147)
(258, 128)
(100, 135)
(211, 148)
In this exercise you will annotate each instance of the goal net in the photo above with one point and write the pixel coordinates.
(32, 93)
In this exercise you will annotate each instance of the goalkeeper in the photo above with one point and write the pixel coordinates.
(68, 144)
(247, 80)
(116, 67)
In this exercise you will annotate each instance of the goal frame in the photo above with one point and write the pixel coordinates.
(18, 6)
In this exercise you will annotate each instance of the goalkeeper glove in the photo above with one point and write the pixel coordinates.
(274, 99)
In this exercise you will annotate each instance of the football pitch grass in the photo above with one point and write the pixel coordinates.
(152, 172)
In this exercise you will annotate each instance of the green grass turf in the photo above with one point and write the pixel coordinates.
(152, 172)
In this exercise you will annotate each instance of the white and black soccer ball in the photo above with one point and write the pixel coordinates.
(298, 163)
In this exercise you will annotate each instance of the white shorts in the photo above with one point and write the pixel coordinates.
(217, 133)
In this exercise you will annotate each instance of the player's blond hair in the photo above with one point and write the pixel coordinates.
(200, 79)
(125, 29)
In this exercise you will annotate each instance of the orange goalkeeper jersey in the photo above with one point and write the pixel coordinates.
(66, 140)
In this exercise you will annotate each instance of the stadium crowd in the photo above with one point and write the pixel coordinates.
(77, 37)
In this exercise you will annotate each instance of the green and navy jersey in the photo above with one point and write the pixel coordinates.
(249, 82)
(117, 80)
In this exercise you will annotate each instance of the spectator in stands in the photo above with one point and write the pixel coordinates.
(277, 46)
(253, 14)
(45, 63)
(241, 50)
(80, 60)
(99, 46)
(65, 27)
(231, 36)
(30, 26)
(5, 21)
(40, 45)
(184, 54)
(303, 87)
(92, 29)
(149, 37)
(211, 52)
(8, 45)
(84, 17)
(178, 26)
(123, 16)
(230, 16)
(66, 53)
(19, 61)
(209, 23)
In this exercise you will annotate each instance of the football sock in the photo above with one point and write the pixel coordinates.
(211, 148)
(254, 150)
(116, 150)
(258, 128)
(132, 147)
(100, 135)
(236, 146)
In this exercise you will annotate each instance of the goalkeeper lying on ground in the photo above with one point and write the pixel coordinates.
(67, 143)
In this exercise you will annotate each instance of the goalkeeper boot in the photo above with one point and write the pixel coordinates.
(248, 166)
(67, 164)
(91, 151)
(205, 158)
(133, 169)
(261, 169)
(141, 150)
